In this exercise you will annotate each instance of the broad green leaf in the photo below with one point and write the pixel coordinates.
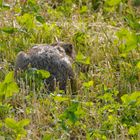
(123, 55)
(80, 39)
(132, 130)
(82, 59)
(112, 2)
(72, 117)
(122, 33)
(32, 2)
(23, 122)
(11, 123)
(4, 110)
(131, 43)
(1, 124)
(70, 113)
(128, 40)
(109, 9)
(132, 21)
(9, 30)
(1, 1)
(73, 106)
(9, 77)
(134, 97)
(83, 10)
(40, 19)
(27, 21)
(11, 89)
(125, 98)
(111, 5)
(60, 98)
(107, 97)
(88, 84)
(8, 87)
(80, 112)
(17, 127)
(89, 104)
(138, 65)
(33, 5)
(44, 73)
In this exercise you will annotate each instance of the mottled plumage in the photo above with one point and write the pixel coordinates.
(57, 59)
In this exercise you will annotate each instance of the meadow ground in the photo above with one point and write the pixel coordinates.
(106, 37)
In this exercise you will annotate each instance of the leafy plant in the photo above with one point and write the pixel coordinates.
(128, 39)
(8, 87)
(17, 127)
(35, 77)
(71, 115)
(111, 5)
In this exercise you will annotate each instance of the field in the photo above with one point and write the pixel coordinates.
(106, 37)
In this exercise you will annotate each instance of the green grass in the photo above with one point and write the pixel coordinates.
(106, 38)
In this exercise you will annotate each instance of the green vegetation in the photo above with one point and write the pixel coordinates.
(106, 36)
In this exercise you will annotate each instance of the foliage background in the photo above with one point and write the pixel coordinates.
(106, 36)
